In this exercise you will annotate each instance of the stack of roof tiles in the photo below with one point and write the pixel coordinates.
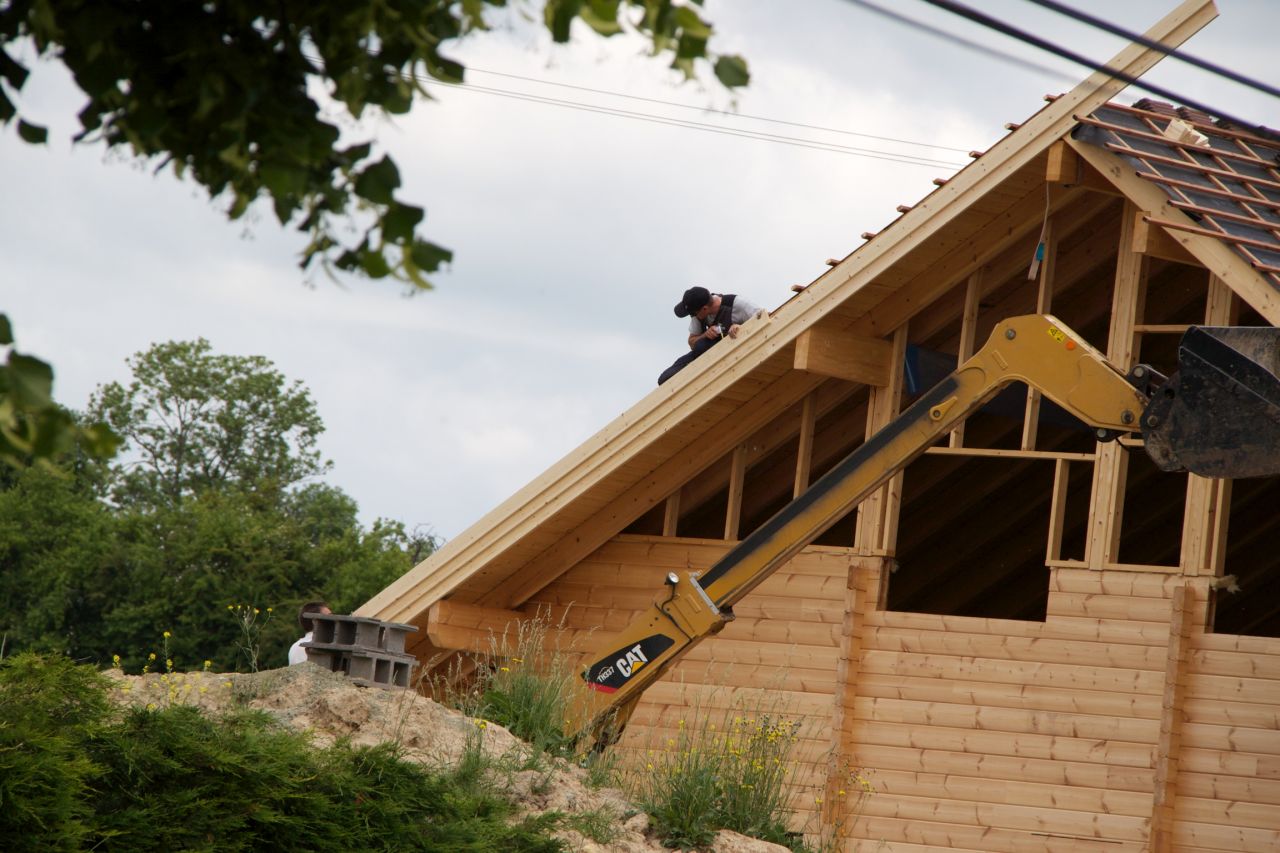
(1226, 179)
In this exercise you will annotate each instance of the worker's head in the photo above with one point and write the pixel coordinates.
(695, 299)
(308, 609)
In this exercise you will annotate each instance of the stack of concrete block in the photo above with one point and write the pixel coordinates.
(368, 651)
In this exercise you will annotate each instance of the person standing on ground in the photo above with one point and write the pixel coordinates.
(711, 317)
(297, 654)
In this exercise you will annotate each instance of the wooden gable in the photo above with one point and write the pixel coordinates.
(1022, 637)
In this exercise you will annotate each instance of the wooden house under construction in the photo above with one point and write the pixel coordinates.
(1028, 640)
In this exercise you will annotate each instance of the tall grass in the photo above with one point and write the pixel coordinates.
(524, 685)
(730, 769)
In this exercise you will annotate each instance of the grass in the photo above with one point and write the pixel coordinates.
(721, 770)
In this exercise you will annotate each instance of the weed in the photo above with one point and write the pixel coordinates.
(720, 770)
(521, 685)
(250, 642)
(602, 769)
(602, 825)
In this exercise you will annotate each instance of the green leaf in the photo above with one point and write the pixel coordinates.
(33, 133)
(378, 181)
(399, 221)
(6, 330)
(602, 17)
(732, 71)
(12, 70)
(31, 381)
(374, 263)
(7, 110)
(428, 256)
(691, 23)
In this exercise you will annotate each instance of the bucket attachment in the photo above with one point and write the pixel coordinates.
(1219, 415)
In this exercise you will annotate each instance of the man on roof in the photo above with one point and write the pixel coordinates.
(711, 317)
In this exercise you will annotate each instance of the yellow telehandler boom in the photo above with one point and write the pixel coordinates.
(1219, 371)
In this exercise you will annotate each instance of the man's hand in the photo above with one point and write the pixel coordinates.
(712, 333)
(733, 330)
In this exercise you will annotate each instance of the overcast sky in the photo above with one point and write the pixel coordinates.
(574, 232)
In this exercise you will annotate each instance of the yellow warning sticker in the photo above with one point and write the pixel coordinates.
(1057, 334)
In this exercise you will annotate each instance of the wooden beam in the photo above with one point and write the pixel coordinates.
(737, 481)
(804, 446)
(1057, 512)
(1044, 305)
(1066, 169)
(465, 627)
(1152, 240)
(671, 515)
(973, 290)
(1168, 747)
(1222, 260)
(1111, 471)
(1204, 521)
(878, 514)
(843, 355)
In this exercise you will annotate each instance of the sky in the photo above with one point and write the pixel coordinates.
(574, 231)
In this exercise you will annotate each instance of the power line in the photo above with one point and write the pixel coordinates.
(1023, 36)
(732, 113)
(874, 154)
(1116, 30)
(960, 40)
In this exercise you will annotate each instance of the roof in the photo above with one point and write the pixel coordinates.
(984, 220)
(1226, 180)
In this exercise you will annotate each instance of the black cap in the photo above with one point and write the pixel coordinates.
(694, 299)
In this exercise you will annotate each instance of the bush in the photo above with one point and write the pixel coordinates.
(74, 778)
(48, 708)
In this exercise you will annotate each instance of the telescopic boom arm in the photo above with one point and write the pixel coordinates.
(1035, 349)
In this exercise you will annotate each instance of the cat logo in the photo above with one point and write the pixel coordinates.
(634, 659)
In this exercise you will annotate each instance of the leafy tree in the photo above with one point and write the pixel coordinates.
(198, 420)
(32, 425)
(226, 91)
(213, 508)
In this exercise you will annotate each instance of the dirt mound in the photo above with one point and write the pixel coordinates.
(308, 698)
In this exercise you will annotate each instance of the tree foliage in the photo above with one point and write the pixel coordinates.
(32, 425)
(218, 503)
(197, 420)
(226, 91)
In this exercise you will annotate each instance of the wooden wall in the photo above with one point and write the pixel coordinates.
(781, 652)
(1116, 724)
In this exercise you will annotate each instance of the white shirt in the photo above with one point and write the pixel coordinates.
(297, 654)
(742, 312)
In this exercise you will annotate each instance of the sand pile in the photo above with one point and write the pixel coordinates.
(328, 706)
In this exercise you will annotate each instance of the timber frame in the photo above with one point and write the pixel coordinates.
(1024, 641)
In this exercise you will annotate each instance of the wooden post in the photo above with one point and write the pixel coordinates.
(1204, 524)
(865, 579)
(1107, 506)
(968, 332)
(1044, 304)
(671, 514)
(876, 514)
(804, 450)
(737, 479)
(1057, 511)
(1182, 609)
